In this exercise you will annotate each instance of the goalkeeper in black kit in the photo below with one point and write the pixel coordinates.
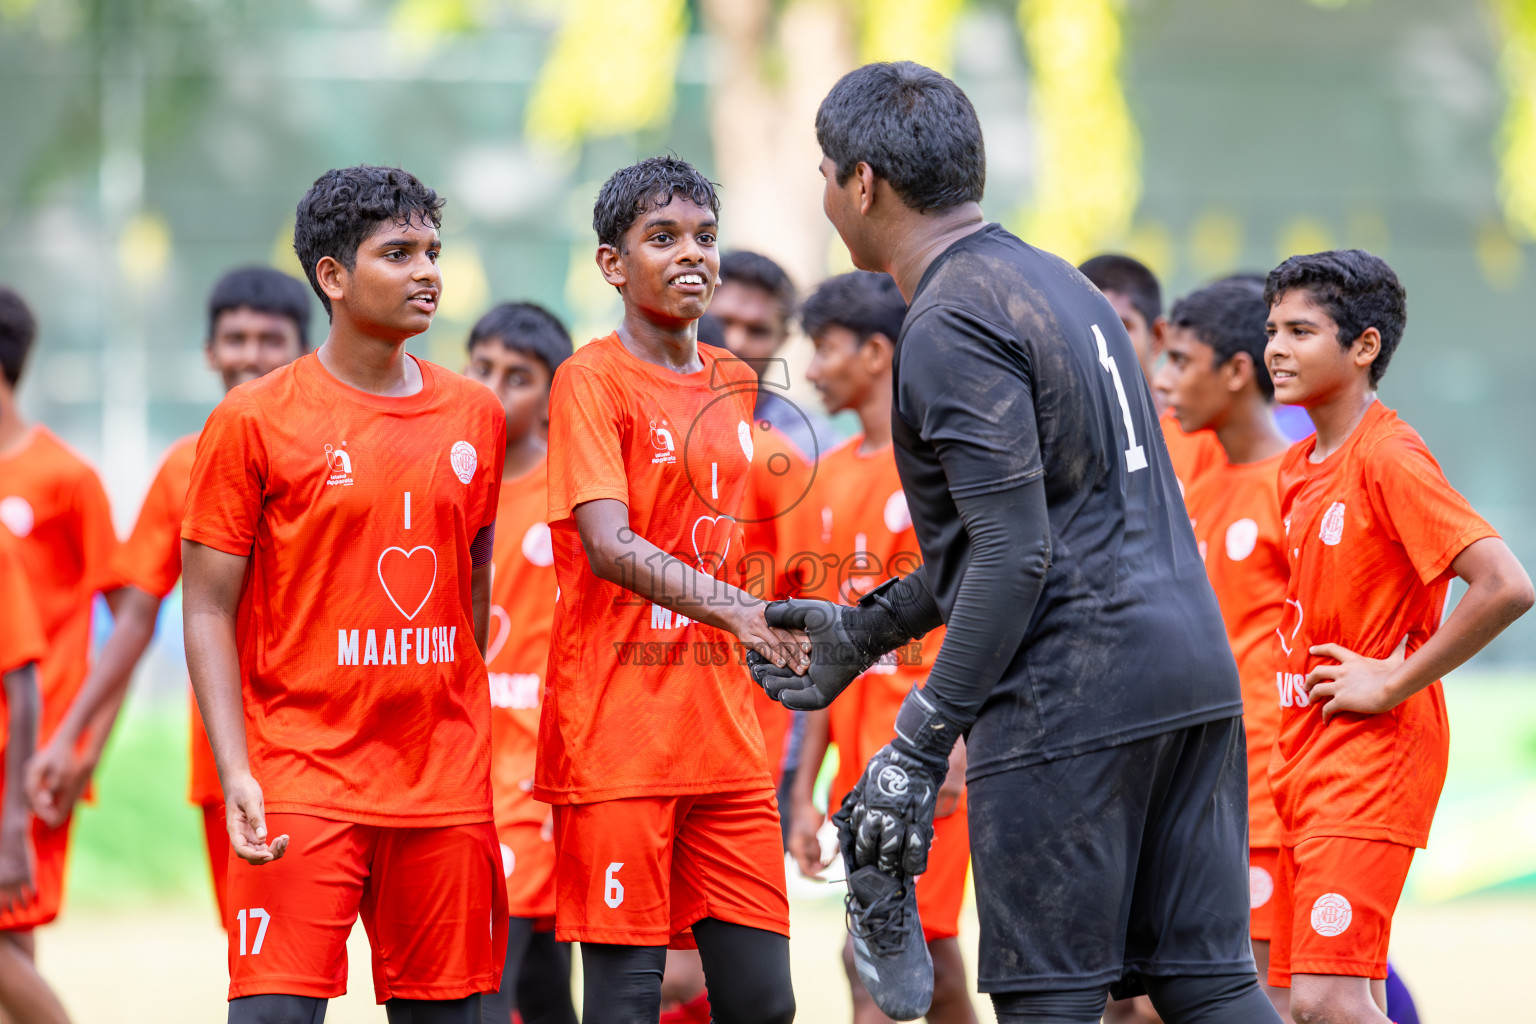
(1085, 658)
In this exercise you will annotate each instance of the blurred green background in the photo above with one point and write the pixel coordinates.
(148, 145)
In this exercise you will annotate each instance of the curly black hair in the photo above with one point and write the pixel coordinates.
(862, 302)
(1229, 316)
(525, 327)
(1354, 287)
(913, 127)
(346, 205)
(650, 183)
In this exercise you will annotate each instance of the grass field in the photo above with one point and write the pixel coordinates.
(138, 940)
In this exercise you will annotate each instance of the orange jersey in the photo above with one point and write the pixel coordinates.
(522, 611)
(1192, 454)
(21, 633)
(1235, 511)
(851, 534)
(364, 691)
(54, 504)
(777, 484)
(1370, 533)
(779, 481)
(150, 559)
(638, 700)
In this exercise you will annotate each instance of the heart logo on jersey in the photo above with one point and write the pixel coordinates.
(499, 617)
(404, 576)
(698, 555)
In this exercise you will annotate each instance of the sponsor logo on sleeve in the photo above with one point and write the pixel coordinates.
(1331, 914)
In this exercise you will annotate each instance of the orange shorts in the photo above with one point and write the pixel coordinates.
(1334, 900)
(431, 899)
(216, 836)
(1263, 866)
(640, 872)
(941, 889)
(50, 851)
(528, 861)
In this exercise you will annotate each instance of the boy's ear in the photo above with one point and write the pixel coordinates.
(877, 352)
(332, 277)
(1159, 332)
(1239, 372)
(611, 262)
(1364, 349)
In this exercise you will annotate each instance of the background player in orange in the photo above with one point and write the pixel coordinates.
(258, 320)
(24, 995)
(754, 307)
(514, 350)
(349, 499)
(649, 748)
(1133, 291)
(1374, 535)
(856, 520)
(53, 503)
(1213, 378)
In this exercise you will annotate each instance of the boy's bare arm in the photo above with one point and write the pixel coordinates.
(621, 556)
(1498, 593)
(805, 820)
(480, 604)
(17, 884)
(57, 775)
(211, 595)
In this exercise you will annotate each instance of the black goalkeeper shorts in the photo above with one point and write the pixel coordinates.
(1097, 869)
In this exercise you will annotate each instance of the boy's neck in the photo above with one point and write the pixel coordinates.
(1249, 433)
(379, 366)
(523, 454)
(672, 348)
(875, 417)
(13, 429)
(922, 238)
(1337, 417)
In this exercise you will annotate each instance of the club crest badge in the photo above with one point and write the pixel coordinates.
(463, 459)
(1333, 524)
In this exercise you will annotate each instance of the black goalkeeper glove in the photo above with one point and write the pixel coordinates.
(845, 641)
(887, 819)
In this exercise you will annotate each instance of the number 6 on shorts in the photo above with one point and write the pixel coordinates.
(613, 889)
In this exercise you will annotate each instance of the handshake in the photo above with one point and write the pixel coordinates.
(845, 641)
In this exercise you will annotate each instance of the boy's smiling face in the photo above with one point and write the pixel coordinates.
(1307, 362)
(668, 263)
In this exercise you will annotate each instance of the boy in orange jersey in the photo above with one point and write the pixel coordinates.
(514, 350)
(649, 748)
(52, 502)
(855, 532)
(754, 306)
(349, 498)
(1133, 291)
(24, 995)
(258, 320)
(1374, 534)
(1213, 378)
